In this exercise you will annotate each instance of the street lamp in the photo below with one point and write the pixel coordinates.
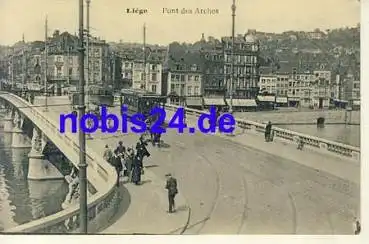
(232, 57)
(46, 64)
(82, 138)
(88, 53)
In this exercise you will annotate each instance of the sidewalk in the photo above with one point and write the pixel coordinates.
(148, 202)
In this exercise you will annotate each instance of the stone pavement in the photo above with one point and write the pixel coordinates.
(233, 187)
(148, 202)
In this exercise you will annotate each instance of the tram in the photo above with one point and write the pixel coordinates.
(139, 101)
(101, 96)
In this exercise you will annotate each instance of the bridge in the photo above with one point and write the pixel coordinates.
(228, 184)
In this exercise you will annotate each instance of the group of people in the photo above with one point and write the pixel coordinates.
(155, 138)
(127, 162)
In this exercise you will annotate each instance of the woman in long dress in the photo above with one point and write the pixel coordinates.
(137, 170)
(129, 162)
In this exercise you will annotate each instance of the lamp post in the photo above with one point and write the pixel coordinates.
(82, 138)
(232, 57)
(46, 64)
(88, 53)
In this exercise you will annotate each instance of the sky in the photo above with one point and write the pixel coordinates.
(109, 20)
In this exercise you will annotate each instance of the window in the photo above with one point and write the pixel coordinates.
(142, 76)
(194, 67)
(153, 77)
(126, 65)
(153, 67)
(177, 78)
(189, 77)
(182, 77)
(189, 90)
(59, 59)
(196, 77)
(70, 71)
(172, 77)
(153, 88)
(196, 90)
(172, 87)
(182, 89)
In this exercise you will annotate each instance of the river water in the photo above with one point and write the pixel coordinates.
(23, 200)
(347, 134)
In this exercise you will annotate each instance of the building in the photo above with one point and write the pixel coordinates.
(214, 84)
(351, 90)
(183, 76)
(140, 72)
(316, 35)
(321, 88)
(268, 83)
(99, 62)
(246, 65)
(300, 92)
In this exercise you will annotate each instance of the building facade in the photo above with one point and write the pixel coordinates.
(184, 77)
(268, 83)
(246, 65)
(214, 84)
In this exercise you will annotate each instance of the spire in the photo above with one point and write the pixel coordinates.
(23, 38)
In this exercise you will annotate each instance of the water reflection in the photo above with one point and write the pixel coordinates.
(6, 207)
(39, 191)
(21, 200)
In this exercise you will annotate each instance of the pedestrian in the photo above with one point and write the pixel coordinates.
(300, 143)
(129, 162)
(171, 186)
(268, 130)
(121, 149)
(108, 154)
(117, 163)
(137, 168)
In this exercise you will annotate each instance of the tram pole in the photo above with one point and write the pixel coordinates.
(82, 138)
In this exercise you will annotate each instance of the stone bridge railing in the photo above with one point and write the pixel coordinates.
(291, 136)
(99, 173)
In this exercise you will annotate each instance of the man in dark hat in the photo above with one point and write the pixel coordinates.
(171, 186)
(121, 149)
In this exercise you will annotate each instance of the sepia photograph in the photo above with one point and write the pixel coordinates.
(207, 117)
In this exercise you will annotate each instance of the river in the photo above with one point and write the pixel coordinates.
(347, 134)
(23, 200)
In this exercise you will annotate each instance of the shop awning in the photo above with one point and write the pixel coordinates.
(214, 101)
(339, 101)
(294, 99)
(356, 102)
(266, 98)
(281, 100)
(242, 102)
(194, 101)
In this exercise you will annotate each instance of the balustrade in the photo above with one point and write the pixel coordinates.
(312, 141)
